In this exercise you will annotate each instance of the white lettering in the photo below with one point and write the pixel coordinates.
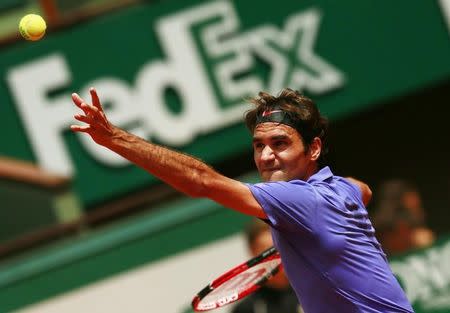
(184, 72)
(445, 6)
(288, 51)
(241, 62)
(142, 108)
(227, 299)
(44, 119)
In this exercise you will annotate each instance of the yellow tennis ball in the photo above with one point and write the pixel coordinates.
(32, 27)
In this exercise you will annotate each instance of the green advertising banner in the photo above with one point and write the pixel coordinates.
(176, 72)
(425, 277)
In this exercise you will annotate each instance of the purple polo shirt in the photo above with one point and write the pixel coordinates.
(328, 247)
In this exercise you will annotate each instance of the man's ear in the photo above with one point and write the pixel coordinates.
(315, 148)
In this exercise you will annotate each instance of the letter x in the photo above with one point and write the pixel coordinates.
(290, 54)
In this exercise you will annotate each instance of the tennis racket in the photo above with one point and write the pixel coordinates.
(238, 282)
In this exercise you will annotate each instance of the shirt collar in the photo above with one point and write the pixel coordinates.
(321, 175)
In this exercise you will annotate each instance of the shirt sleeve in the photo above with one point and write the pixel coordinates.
(289, 206)
(353, 190)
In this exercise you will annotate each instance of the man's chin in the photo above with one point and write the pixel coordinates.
(274, 176)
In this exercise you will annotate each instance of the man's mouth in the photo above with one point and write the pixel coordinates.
(272, 169)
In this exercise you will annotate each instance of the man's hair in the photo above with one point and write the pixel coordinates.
(301, 110)
(254, 229)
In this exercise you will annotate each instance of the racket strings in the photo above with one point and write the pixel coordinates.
(231, 289)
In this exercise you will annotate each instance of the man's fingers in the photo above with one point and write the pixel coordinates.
(87, 108)
(84, 118)
(95, 99)
(77, 100)
(80, 128)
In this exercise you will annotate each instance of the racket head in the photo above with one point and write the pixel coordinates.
(238, 282)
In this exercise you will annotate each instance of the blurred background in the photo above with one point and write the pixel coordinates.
(82, 230)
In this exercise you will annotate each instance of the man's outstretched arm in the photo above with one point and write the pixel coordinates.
(366, 192)
(183, 172)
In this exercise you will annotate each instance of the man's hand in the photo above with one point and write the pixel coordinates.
(98, 126)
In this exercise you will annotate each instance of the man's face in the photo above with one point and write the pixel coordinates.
(279, 153)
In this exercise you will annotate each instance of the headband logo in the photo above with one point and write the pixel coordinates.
(267, 113)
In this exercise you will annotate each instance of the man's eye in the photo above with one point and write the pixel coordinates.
(279, 143)
(259, 145)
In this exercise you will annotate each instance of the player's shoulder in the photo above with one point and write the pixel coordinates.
(285, 188)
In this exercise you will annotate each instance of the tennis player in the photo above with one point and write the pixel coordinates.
(318, 220)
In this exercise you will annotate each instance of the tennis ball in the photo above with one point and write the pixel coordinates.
(32, 27)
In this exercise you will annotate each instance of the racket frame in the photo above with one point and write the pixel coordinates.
(265, 256)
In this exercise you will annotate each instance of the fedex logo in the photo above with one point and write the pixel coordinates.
(231, 53)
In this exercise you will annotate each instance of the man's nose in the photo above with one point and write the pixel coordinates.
(267, 154)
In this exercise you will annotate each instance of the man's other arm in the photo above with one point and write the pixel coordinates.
(366, 192)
